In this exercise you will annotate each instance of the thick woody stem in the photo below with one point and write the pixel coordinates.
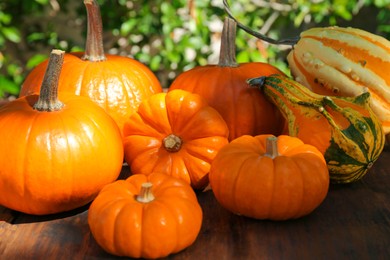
(48, 97)
(145, 195)
(227, 55)
(94, 50)
(271, 147)
(172, 143)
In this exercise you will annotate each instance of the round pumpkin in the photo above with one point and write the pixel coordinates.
(176, 133)
(116, 83)
(55, 154)
(245, 110)
(149, 216)
(268, 177)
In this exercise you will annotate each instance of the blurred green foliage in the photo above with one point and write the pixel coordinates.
(168, 36)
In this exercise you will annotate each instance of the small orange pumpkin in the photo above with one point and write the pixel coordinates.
(117, 84)
(224, 87)
(268, 177)
(176, 133)
(55, 155)
(149, 216)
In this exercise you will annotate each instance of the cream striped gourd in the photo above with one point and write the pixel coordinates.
(345, 62)
(344, 129)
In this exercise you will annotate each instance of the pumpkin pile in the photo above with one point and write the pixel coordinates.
(267, 145)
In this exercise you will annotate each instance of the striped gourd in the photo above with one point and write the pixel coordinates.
(345, 62)
(344, 129)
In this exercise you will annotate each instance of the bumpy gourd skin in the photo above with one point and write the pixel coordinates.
(345, 62)
(344, 129)
(167, 224)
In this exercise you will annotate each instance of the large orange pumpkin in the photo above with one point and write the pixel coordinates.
(116, 83)
(149, 216)
(224, 87)
(176, 133)
(268, 177)
(55, 155)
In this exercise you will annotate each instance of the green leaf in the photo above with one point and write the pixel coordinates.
(35, 60)
(128, 26)
(8, 86)
(11, 33)
(42, 2)
(155, 62)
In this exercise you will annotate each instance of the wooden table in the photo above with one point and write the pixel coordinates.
(352, 223)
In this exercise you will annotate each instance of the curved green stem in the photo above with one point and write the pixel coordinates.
(260, 36)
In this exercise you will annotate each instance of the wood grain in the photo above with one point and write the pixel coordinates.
(352, 223)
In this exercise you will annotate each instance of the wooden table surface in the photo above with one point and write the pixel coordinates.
(352, 223)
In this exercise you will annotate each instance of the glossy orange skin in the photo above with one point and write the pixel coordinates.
(118, 84)
(125, 227)
(52, 162)
(288, 186)
(245, 110)
(186, 115)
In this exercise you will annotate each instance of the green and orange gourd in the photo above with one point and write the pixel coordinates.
(344, 129)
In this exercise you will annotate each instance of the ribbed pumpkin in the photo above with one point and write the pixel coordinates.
(224, 87)
(148, 216)
(345, 62)
(116, 83)
(344, 129)
(176, 133)
(56, 154)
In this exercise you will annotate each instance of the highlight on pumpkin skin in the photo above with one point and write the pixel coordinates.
(50, 144)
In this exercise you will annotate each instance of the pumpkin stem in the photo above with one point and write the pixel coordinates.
(94, 44)
(260, 36)
(271, 147)
(48, 96)
(172, 143)
(146, 194)
(227, 55)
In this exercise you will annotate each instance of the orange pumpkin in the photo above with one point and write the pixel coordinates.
(224, 87)
(268, 177)
(55, 155)
(117, 84)
(176, 133)
(149, 216)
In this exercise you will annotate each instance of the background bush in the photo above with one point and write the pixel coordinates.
(168, 36)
